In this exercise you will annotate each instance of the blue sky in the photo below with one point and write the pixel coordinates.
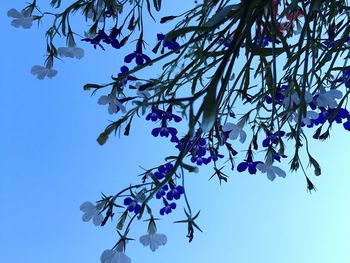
(50, 163)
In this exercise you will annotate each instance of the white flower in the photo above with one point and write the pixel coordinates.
(293, 99)
(310, 115)
(43, 72)
(327, 98)
(270, 170)
(92, 211)
(114, 104)
(22, 19)
(71, 51)
(153, 239)
(235, 131)
(115, 255)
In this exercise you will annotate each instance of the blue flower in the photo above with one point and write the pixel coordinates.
(162, 191)
(276, 156)
(108, 39)
(248, 163)
(170, 44)
(346, 125)
(111, 39)
(279, 95)
(155, 115)
(124, 71)
(164, 130)
(273, 138)
(133, 206)
(168, 115)
(167, 208)
(175, 192)
(163, 170)
(137, 55)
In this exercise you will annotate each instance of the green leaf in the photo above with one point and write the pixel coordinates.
(93, 86)
(157, 4)
(185, 30)
(267, 51)
(209, 108)
(221, 15)
(167, 18)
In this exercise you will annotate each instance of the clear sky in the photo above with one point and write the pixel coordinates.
(50, 163)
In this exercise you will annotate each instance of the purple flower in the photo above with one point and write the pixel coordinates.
(175, 192)
(273, 138)
(170, 44)
(124, 71)
(108, 39)
(155, 115)
(162, 191)
(248, 163)
(137, 55)
(164, 130)
(279, 95)
(346, 125)
(111, 39)
(163, 170)
(168, 115)
(133, 206)
(167, 208)
(276, 156)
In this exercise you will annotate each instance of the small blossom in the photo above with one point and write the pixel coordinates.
(132, 204)
(22, 19)
(164, 130)
(235, 131)
(170, 44)
(155, 114)
(114, 105)
(167, 207)
(163, 170)
(273, 138)
(115, 255)
(308, 119)
(153, 239)
(293, 99)
(71, 51)
(270, 170)
(124, 80)
(162, 191)
(346, 125)
(328, 98)
(43, 72)
(139, 57)
(248, 163)
(175, 192)
(92, 212)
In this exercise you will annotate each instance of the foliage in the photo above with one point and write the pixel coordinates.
(272, 68)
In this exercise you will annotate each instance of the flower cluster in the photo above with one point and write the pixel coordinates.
(163, 117)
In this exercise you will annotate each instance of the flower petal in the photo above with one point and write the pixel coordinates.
(97, 220)
(107, 256)
(270, 175)
(227, 127)
(279, 171)
(87, 206)
(145, 240)
(14, 13)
